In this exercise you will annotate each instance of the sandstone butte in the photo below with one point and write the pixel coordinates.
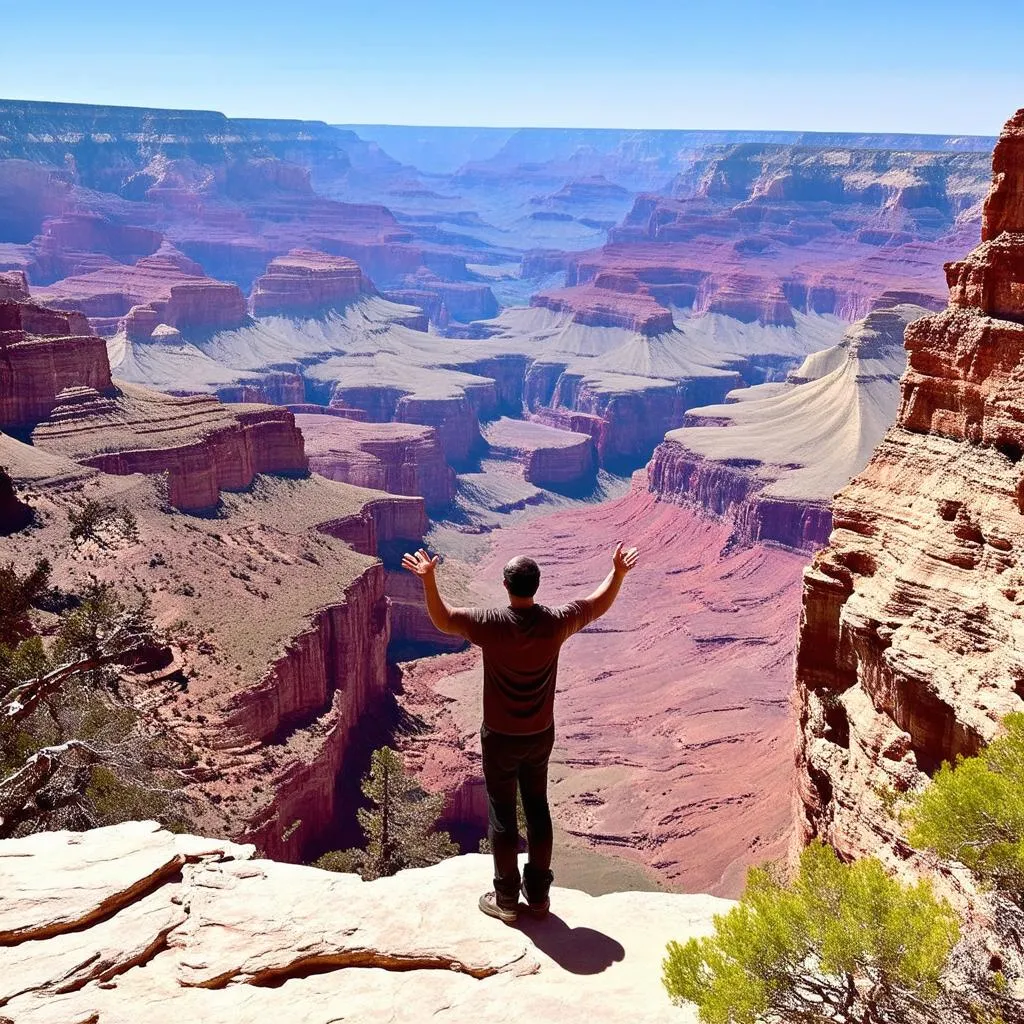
(911, 636)
(131, 923)
(275, 570)
(770, 458)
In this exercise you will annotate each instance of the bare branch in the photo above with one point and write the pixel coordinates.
(18, 791)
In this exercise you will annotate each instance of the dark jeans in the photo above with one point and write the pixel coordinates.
(508, 761)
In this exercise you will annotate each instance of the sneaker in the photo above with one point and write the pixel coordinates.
(537, 909)
(492, 908)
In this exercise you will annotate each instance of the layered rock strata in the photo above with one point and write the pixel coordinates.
(763, 232)
(551, 458)
(911, 633)
(129, 922)
(285, 655)
(771, 457)
(202, 446)
(395, 457)
(284, 660)
(306, 283)
(42, 352)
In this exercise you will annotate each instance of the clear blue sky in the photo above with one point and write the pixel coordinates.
(871, 65)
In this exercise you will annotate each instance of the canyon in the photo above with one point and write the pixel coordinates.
(274, 572)
(292, 356)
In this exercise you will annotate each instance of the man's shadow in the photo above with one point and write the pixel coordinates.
(577, 950)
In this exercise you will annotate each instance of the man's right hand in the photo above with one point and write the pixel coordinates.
(421, 563)
(624, 559)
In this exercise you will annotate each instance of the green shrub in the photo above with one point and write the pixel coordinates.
(839, 942)
(344, 861)
(974, 813)
(89, 521)
(400, 827)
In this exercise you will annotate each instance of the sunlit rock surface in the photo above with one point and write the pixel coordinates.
(131, 923)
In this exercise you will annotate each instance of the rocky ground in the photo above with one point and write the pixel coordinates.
(129, 923)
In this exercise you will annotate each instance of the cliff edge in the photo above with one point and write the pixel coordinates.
(911, 646)
(132, 923)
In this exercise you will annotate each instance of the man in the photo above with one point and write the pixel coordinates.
(520, 644)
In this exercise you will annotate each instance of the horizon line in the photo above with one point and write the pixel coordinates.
(492, 127)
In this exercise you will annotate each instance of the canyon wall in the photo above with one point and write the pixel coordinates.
(770, 458)
(333, 675)
(556, 459)
(42, 352)
(284, 657)
(911, 634)
(761, 232)
(393, 457)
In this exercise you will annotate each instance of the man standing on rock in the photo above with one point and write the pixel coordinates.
(520, 644)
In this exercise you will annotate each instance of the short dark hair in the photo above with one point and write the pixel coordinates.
(522, 577)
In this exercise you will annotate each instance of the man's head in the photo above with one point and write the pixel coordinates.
(522, 577)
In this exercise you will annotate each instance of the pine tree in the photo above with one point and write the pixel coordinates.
(400, 827)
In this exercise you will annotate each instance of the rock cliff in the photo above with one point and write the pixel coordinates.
(280, 572)
(202, 446)
(771, 457)
(43, 352)
(129, 923)
(911, 634)
(395, 457)
(557, 459)
(306, 283)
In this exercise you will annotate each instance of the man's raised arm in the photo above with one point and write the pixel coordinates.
(423, 566)
(604, 597)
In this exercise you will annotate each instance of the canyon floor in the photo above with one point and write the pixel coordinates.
(674, 724)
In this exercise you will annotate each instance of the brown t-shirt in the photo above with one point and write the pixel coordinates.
(520, 647)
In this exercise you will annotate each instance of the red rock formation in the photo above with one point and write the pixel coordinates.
(551, 458)
(200, 306)
(395, 457)
(202, 446)
(614, 300)
(454, 419)
(335, 673)
(169, 288)
(910, 635)
(42, 352)
(306, 283)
